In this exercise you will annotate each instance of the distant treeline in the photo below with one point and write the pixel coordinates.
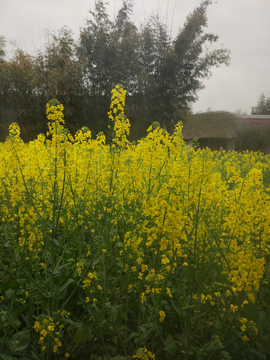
(162, 76)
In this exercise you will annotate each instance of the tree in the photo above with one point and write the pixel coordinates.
(95, 49)
(263, 105)
(171, 72)
(18, 92)
(2, 48)
(28, 83)
(153, 78)
(5, 108)
(60, 74)
(162, 76)
(124, 41)
(189, 61)
(268, 105)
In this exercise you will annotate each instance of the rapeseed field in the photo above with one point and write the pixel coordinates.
(122, 251)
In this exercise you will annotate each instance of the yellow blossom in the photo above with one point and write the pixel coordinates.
(162, 315)
(234, 308)
(143, 297)
(243, 327)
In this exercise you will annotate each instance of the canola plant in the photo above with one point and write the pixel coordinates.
(147, 250)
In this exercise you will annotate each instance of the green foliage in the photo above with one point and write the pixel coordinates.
(161, 75)
(263, 105)
(155, 125)
(54, 102)
(2, 47)
(195, 143)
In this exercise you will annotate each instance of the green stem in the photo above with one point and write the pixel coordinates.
(37, 284)
(123, 346)
(70, 296)
(5, 337)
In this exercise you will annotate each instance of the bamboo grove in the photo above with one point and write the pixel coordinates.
(161, 75)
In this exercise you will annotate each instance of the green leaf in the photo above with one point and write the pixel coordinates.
(34, 355)
(108, 305)
(75, 353)
(213, 344)
(6, 357)
(56, 241)
(118, 357)
(170, 345)
(124, 314)
(196, 318)
(142, 328)
(16, 284)
(81, 335)
(19, 348)
(22, 282)
(103, 323)
(19, 310)
(131, 336)
(69, 321)
(20, 341)
(95, 262)
(78, 325)
(260, 356)
(171, 349)
(187, 307)
(148, 329)
(23, 337)
(9, 293)
(177, 310)
(169, 340)
(94, 306)
(263, 322)
(15, 322)
(57, 270)
(114, 312)
(65, 285)
(18, 249)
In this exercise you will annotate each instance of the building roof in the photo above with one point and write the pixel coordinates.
(254, 119)
(254, 116)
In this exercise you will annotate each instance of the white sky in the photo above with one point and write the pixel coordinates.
(243, 27)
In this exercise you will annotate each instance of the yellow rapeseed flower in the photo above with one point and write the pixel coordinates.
(162, 315)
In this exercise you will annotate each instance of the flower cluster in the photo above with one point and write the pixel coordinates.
(144, 354)
(50, 329)
(117, 115)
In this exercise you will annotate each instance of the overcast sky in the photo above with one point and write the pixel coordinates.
(243, 27)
